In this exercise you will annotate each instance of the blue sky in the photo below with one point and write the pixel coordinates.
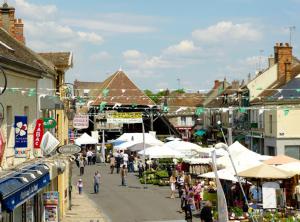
(159, 41)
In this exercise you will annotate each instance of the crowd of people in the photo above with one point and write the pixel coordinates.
(190, 193)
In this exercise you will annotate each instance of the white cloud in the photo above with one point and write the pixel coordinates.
(183, 48)
(34, 11)
(90, 37)
(108, 26)
(132, 54)
(227, 31)
(103, 55)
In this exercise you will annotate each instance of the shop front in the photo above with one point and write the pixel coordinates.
(21, 194)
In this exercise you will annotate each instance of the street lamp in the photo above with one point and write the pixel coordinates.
(225, 147)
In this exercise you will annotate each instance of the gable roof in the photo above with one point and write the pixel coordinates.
(122, 90)
(62, 60)
(14, 51)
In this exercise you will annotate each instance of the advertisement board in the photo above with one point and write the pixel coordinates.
(81, 121)
(125, 117)
(49, 143)
(21, 136)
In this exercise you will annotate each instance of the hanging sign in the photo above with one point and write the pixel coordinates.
(81, 121)
(69, 149)
(50, 198)
(38, 133)
(49, 123)
(48, 143)
(21, 136)
(126, 117)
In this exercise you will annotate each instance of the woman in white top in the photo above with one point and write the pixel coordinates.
(173, 187)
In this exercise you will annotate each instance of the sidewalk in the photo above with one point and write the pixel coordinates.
(83, 210)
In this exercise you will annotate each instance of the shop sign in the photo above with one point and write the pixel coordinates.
(38, 133)
(49, 123)
(48, 143)
(50, 198)
(126, 117)
(69, 149)
(2, 146)
(81, 121)
(21, 136)
(50, 213)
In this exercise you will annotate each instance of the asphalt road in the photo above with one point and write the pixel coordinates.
(133, 203)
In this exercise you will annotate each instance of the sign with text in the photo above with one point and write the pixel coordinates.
(21, 136)
(81, 121)
(49, 123)
(38, 133)
(69, 149)
(126, 117)
(50, 198)
(49, 143)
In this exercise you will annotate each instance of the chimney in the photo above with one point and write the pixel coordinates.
(12, 25)
(283, 58)
(217, 84)
(271, 61)
(235, 84)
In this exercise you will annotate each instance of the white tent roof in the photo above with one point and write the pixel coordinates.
(85, 139)
(223, 174)
(293, 167)
(161, 152)
(187, 148)
(137, 138)
(197, 160)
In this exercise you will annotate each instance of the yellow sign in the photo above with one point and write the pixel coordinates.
(129, 117)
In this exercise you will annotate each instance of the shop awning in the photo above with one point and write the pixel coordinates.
(18, 187)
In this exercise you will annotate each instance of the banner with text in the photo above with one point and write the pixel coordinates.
(38, 134)
(126, 117)
(81, 121)
(21, 136)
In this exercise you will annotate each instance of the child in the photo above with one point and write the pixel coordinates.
(79, 186)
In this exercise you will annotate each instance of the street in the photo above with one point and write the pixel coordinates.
(132, 203)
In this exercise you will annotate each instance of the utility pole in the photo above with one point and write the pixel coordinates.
(292, 29)
(178, 80)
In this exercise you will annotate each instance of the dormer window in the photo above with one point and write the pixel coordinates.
(86, 92)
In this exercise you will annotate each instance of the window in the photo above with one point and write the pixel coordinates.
(183, 121)
(271, 150)
(292, 151)
(86, 92)
(270, 124)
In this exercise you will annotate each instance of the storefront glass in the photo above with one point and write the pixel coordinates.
(29, 210)
(18, 213)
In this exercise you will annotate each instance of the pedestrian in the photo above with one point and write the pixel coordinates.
(130, 163)
(89, 155)
(80, 186)
(94, 157)
(205, 214)
(112, 163)
(173, 186)
(97, 177)
(77, 160)
(190, 206)
(81, 165)
(197, 196)
(123, 175)
(125, 159)
(180, 183)
(140, 168)
(118, 161)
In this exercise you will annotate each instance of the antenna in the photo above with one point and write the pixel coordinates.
(178, 80)
(292, 29)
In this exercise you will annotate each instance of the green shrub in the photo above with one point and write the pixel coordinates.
(162, 174)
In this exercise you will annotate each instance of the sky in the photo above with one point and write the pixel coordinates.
(161, 44)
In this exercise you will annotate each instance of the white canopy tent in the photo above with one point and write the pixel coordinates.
(223, 174)
(136, 140)
(85, 139)
(161, 152)
(187, 148)
(293, 167)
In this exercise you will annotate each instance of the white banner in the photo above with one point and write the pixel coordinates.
(222, 204)
(128, 118)
(81, 121)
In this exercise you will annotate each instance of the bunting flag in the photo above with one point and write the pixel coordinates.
(165, 109)
(222, 204)
(105, 92)
(102, 106)
(199, 111)
(133, 105)
(286, 111)
(117, 105)
(242, 110)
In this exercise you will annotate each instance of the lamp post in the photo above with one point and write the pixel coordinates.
(225, 147)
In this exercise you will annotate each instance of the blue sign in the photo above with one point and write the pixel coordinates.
(27, 192)
(21, 129)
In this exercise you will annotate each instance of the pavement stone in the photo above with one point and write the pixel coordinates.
(83, 210)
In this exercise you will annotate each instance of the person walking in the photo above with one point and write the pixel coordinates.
(80, 186)
(189, 207)
(89, 155)
(124, 175)
(130, 163)
(173, 187)
(180, 183)
(140, 168)
(112, 161)
(197, 196)
(81, 166)
(97, 177)
(205, 214)
(118, 161)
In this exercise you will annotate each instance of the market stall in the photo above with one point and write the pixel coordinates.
(161, 152)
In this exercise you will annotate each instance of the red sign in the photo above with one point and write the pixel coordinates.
(38, 133)
(2, 146)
